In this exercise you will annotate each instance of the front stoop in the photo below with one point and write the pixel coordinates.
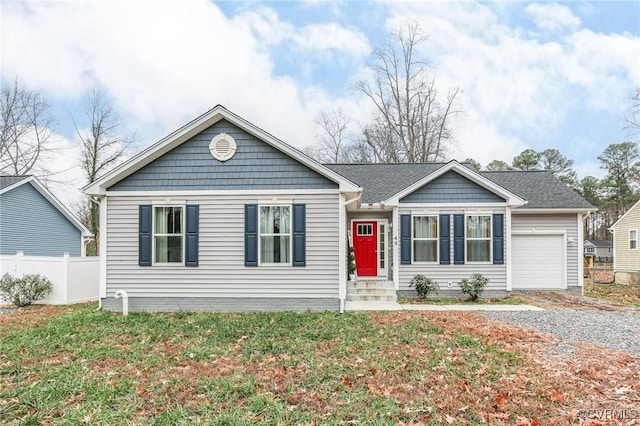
(371, 291)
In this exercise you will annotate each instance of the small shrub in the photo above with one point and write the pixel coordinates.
(424, 286)
(24, 290)
(352, 260)
(473, 287)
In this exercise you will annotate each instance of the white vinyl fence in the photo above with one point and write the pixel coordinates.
(75, 279)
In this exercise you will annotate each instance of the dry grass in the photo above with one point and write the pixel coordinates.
(74, 365)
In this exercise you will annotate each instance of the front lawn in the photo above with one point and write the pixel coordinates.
(616, 293)
(72, 365)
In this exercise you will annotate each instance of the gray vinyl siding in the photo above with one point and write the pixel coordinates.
(451, 187)
(542, 222)
(255, 165)
(30, 223)
(444, 274)
(221, 271)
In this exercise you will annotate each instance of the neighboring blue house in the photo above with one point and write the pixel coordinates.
(221, 215)
(33, 221)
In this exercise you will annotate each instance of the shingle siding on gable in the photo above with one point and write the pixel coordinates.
(451, 188)
(29, 223)
(256, 165)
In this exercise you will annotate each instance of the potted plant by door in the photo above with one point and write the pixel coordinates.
(352, 264)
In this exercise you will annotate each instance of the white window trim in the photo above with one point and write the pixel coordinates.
(153, 235)
(467, 238)
(633, 239)
(260, 235)
(437, 240)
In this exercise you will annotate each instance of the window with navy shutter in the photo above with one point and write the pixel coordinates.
(251, 235)
(299, 238)
(144, 235)
(498, 239)
(458, 239)
(405, 239)
(191, 249)
(445, 239)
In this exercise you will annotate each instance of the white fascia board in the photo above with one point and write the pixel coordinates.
(512, 199)
(194, 127)
(551, 211)
(636, 205)
(56, 203)
(222, 192)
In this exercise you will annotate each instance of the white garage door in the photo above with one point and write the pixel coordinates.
(538, 262)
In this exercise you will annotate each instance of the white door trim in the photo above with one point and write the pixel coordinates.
(382, 273)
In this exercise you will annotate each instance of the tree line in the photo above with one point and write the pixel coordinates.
(411, 122)
(27, 145)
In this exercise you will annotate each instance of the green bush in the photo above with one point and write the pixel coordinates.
(352, 260)
(424, 286)
(24, 290)
(474, 287)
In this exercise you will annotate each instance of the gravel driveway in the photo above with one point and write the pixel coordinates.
(593, 322)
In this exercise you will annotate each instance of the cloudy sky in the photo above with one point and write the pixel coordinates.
(532, 74)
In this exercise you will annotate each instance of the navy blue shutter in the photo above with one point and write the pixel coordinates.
(299, 239)
(445, 239)
(405, 239)
(191, 255)
(498, 239)
(458, 239)
(251, 235)
(144, 234)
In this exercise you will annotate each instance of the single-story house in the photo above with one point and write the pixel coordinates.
(598, 249)
(221, 215)
(34, 221)
(626, 241)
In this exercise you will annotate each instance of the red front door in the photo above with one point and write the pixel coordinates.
(365, 245)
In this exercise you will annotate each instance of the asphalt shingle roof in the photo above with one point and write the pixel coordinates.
(381, 181)
(6, 181)
(541, 189)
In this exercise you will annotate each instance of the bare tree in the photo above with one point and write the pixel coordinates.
(102, 148)
(632, 120)
(25, 129)
(412, 121)
(333, 139)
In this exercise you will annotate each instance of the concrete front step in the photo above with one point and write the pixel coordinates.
(371, 298)
(371, 290)
(369, 284)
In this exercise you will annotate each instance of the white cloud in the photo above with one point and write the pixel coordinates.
(332, 36)
(520, 89)
(552, 16)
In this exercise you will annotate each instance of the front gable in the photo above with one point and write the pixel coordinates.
(452, 187)
(255, 165)
(261, 162)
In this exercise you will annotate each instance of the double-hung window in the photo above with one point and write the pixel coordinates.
(425, 238)
(633, 239)
(168, 238)
(275, 234)
(479, 238)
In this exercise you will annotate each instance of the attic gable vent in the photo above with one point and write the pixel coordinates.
(222, 147)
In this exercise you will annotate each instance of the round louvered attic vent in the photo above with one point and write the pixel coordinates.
(222, 147)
